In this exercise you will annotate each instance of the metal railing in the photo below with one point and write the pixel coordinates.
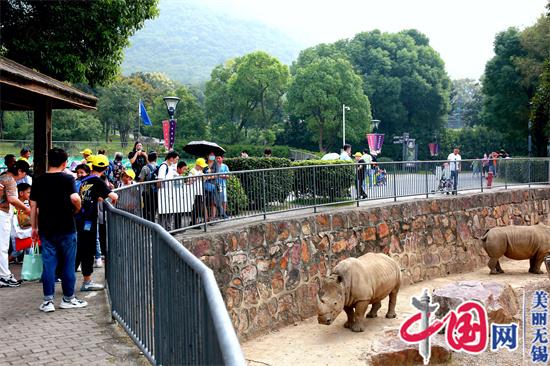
(166, 299)
(193, 202)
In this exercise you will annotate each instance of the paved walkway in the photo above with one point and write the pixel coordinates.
(65, 337)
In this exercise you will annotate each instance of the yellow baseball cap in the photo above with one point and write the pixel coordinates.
(100, 161)
(358, 155)
(130, 173)
(201, 162)
(86, 152)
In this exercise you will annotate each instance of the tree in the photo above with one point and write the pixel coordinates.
(244, 98)
(76, 41)
(506, 97)
(403, 77)
(316, 95)
(75, 125)
(466, 103)
(117, 109)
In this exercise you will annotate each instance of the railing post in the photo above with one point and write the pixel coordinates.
(394, 183)
(426, 174)
(314, 190)
(529, 172)
(205, 208)
(481, 175)
(505, 173)
(357, 187)
(264, 205)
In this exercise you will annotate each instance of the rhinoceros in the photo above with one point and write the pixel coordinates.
(517, 242)
(354, 284)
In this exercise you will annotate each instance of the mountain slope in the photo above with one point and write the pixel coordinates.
(188, 40)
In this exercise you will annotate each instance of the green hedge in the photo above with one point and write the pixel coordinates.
(233, 151)
(278, 183)
(329, 183)
(237, 200)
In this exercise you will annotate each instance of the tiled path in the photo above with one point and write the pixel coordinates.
(65, 337)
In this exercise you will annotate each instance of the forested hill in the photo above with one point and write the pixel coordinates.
(187, 40)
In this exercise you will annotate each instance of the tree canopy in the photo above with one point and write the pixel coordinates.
(317, 94)
(75, 41)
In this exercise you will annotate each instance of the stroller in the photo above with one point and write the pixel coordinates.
(445, 183)
(380, 177)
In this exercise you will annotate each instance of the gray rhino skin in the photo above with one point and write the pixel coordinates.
(354, 284)
(517, 242)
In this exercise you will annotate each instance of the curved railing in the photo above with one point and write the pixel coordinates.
(196, 202)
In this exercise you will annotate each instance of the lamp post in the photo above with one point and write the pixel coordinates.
(344, 109)
(169, 127)
(171, 104)
(375, 123)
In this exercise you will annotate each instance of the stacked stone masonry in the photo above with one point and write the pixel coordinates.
(269, 272)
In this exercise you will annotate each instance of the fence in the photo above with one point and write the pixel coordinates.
(194, 202)
(165, 298)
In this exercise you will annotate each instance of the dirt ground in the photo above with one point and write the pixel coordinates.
(309, 343)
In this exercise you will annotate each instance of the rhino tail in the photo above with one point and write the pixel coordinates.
(484, 237)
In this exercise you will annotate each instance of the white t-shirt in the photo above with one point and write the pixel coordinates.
(167, 172)
(344, 156)
(454, 161)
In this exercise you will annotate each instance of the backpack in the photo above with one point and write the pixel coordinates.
(153, 172)
(78, 182)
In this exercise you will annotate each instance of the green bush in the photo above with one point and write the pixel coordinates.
(522, 171)
(237, 200)
(266, 186)
(324, 179)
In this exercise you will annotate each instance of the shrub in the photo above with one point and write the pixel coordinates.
(233, 151)
(237, 200)
(324, 178)
(263, 187)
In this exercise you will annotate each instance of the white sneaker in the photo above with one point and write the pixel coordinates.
(79, 269)
(72, 304)
(98, 263)
(91, 286)
(47, 306)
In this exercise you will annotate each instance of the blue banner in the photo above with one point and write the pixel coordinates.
(143, 114)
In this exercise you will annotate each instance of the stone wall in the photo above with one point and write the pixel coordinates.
(269, 272)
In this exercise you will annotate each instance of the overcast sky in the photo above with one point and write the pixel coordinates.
(461, 31)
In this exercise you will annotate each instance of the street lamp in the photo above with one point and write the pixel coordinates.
(344, 109)
(171, 104)
(375, 123)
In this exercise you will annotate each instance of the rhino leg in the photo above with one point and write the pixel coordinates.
(360, 310)
(499, 268)
(391, 306)
(534, 265)
(373, 313)
(351, 316)
(493, 265)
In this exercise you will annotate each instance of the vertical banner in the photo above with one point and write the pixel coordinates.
(434, 148)
(166, 133)
(375, 141)
(172, 133)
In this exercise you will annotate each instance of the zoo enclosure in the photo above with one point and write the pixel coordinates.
(194, 202)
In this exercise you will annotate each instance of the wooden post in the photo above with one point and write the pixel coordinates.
(42, 135)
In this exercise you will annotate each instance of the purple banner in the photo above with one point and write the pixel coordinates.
(434, 148)
(375, 140)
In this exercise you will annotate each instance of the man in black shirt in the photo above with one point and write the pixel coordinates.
(92, 190)
(54, 201)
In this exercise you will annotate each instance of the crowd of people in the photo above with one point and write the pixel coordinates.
(60, 211)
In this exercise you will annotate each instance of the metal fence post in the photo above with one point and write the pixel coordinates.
(357, 187)
(529, 172)
(205, 208)
(314, 190)
(481, 176)
(426, 174)
(505, 173)
(264, 205)
(394, 184)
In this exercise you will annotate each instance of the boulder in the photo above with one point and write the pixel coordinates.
(499, 300)
(391, 350)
